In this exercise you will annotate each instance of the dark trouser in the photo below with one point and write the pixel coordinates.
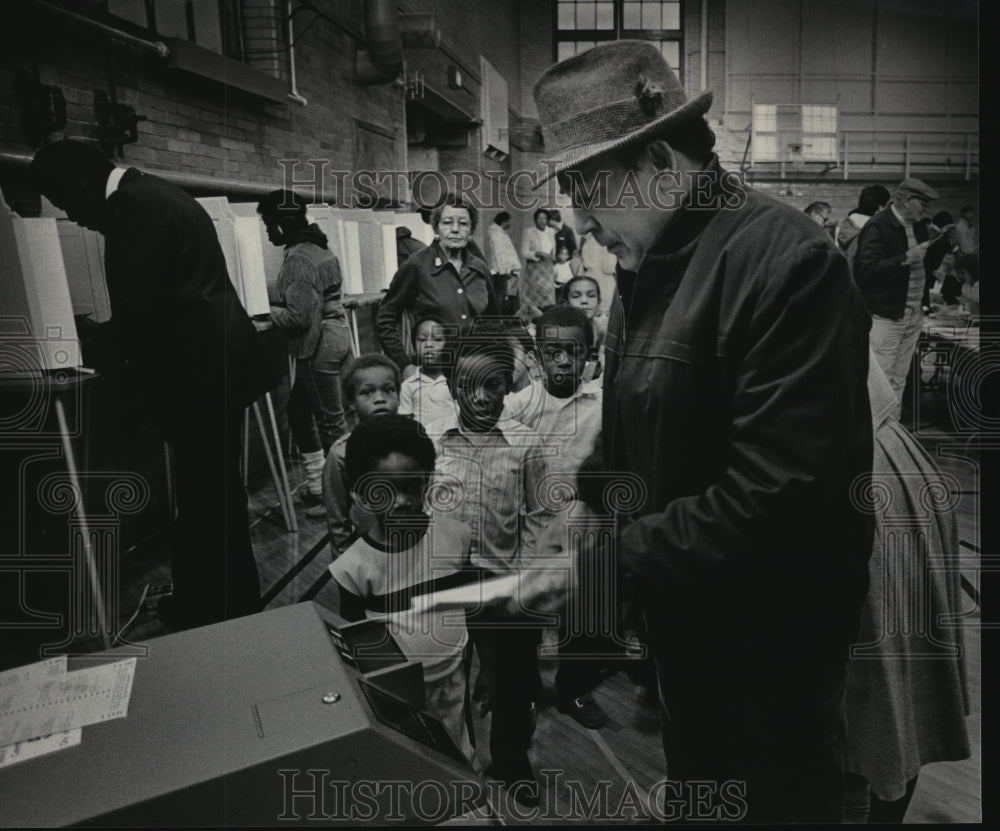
(770, 720)
(315, 405)
(951, 289)
(584, 661)
(518, 687)
(212, 562)
(505, 284)
(864, 807)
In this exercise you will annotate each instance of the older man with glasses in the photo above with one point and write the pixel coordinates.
(890, 273)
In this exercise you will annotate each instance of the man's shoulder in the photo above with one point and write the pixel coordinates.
(768, 227)
(148, 184)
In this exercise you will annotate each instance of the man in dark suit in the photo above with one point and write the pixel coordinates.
(192, 353)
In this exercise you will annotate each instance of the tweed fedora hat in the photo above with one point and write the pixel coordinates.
(607, 98)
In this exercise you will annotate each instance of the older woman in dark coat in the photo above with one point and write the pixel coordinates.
(446, 280)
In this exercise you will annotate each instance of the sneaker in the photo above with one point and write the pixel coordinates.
(316, 512)
(586, 711)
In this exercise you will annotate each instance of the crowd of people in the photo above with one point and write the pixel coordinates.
(746, 374)
(908, 265)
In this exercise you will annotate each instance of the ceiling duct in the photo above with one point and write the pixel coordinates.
(382, 61)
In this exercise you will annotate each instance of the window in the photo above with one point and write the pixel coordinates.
(792, 133)
(581, 24)
(216, 25)
(819, 133)
(765, 133)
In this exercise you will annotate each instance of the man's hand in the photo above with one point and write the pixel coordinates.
(915, 255)
(552, 576)
(410, 369)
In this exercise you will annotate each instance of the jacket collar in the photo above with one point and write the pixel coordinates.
(129, 176)
(440, 261)
(895, 218)
(114, 179)
(679, 236)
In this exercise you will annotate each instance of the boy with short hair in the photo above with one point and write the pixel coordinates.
(565, 410)
(425, 394)
(493, 469)
(372, 387)
(389, 462)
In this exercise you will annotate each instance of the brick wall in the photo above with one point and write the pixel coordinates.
(536, 49)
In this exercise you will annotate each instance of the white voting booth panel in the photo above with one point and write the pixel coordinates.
(378, 248)
(253, 272)
(343, 242)
(349, 234)
(247, 277)
(83, 257)
(37, 331)
(419, 229)
(248, 222)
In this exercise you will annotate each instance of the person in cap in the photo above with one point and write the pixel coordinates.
(306, 306)
(872, 199)
(190, 351)
(890, 272)
(735, 391)
(819, 212)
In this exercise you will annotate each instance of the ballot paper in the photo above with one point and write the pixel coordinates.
(37, 700)
(470, 596)
(33, 748)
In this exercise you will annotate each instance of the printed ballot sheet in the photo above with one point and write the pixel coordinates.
(39, 700)
(33, 748)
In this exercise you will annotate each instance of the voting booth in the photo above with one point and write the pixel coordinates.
(344, 241)
(377, 246)
(248, 227)
(265, 720)
(37, 329)
(244, 253)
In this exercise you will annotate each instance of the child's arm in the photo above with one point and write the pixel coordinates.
(352, 607)
(347, 573)
(536, 516)
(337, 502)
(405, 399)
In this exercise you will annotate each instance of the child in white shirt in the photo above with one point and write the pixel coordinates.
(425, 394)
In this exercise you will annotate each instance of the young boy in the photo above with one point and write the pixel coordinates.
(565, 411)
(425, 394)
(389, 462)
(372, 386)
(489, 473)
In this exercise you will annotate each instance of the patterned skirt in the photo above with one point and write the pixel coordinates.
(538, 285)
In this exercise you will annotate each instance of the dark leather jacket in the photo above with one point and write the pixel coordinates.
(736, 390)
(880, 268)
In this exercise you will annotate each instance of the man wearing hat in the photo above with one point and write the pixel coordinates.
(890, 273)
(735, 389)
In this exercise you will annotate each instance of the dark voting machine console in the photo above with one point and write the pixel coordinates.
(288, 717)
